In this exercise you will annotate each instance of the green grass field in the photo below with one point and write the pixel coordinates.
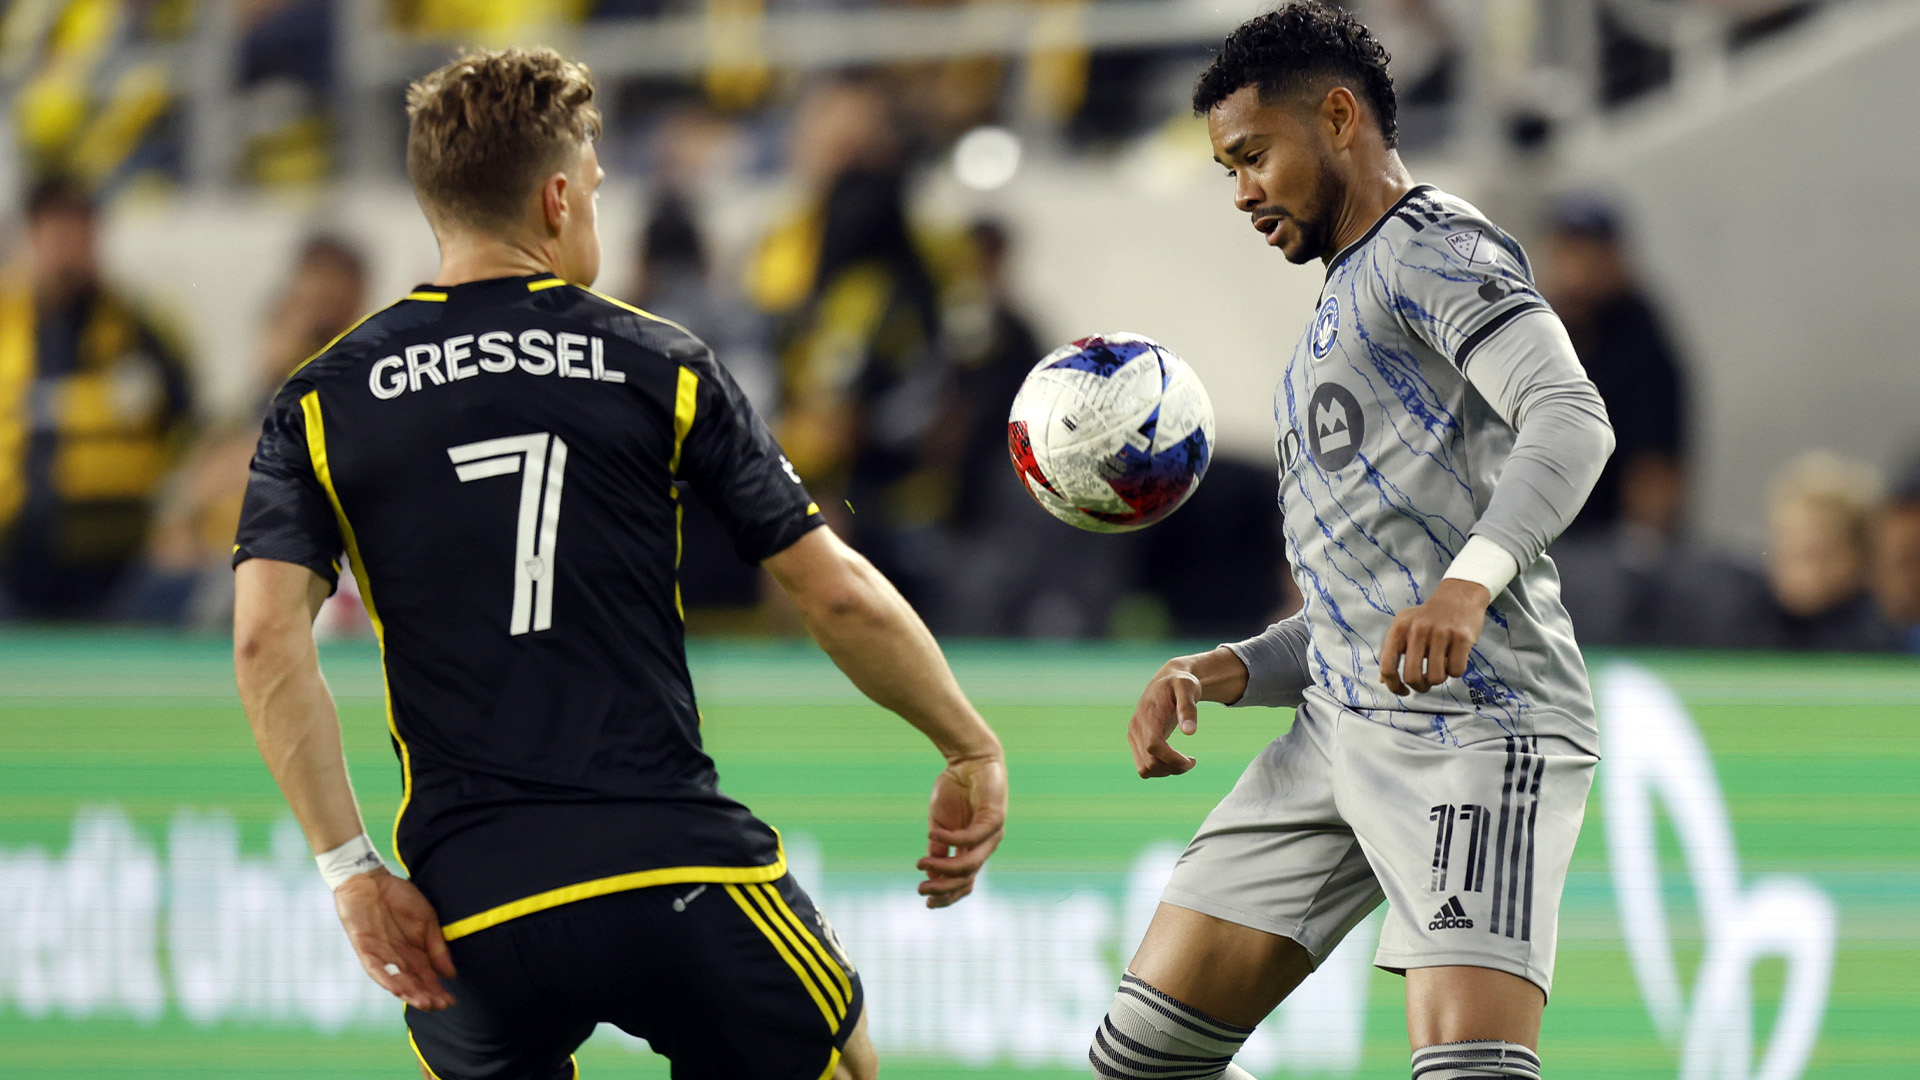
(1819, 763)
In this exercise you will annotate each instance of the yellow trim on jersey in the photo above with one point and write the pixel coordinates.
(833, 1062)
(317, 450)
(431, 297)
(826, 957)
(549, 283)
(641, 879)
(576, 1066)
(616, 302)
(686, 399)
(833, 1023)
(811, 959)
(423, 1058)
(812, 509)
(335, 341)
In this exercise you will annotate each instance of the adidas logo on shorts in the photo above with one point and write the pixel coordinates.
(1451, 916)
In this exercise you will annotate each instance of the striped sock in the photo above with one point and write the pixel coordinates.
(1149, 1036)
(1479, 1059)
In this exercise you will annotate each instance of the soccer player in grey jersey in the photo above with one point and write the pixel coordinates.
(1435, 433)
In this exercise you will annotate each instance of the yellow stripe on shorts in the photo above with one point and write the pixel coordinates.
(759, 893)
(781, 947)
(826, 956)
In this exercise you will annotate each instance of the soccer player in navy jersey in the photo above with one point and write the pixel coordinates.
(500, 457)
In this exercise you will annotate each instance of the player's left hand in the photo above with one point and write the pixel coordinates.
(397, 936)
(1429, 643)
(965, 820)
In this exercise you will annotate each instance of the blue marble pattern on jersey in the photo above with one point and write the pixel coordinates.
(1371, 537)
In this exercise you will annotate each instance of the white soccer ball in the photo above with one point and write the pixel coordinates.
(1111, 433)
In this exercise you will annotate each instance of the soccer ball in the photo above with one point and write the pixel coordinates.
(1111, 433)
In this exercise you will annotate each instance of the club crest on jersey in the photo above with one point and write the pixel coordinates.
(1334, 427)
(1326, 327)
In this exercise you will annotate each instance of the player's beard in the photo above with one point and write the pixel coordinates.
(1316, 219)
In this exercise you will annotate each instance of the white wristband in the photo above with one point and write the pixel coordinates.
(349, 860)
(1484, 563)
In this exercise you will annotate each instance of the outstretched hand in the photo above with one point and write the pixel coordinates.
(965, 820)
(1430, 643)
(397, 937)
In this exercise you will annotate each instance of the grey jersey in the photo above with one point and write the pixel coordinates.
(1389, 456)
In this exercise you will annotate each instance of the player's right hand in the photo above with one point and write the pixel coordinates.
(1172, 699)
(396, 934)
(965, 820)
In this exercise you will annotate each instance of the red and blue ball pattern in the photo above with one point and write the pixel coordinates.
(1111, 433)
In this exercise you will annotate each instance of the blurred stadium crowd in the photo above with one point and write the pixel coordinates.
(883, 350)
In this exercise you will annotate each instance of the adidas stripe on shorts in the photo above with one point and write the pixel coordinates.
(1468, 844)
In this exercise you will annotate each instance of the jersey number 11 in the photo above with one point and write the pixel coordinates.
(541, 461)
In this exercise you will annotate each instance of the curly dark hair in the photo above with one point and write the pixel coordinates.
(1284, 51)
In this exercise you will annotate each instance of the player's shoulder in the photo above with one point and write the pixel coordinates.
(364, 339)
(628, 323)
(1433, 227)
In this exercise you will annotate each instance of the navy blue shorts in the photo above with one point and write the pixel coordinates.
(729, 982)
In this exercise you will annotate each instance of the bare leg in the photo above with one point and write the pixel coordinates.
(858, 1061)
(1228, 971)
(1458, 1004)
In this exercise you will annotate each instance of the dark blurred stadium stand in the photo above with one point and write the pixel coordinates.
(883, 344)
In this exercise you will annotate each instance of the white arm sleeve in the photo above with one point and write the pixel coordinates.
(1531, 376)
(1277, 672)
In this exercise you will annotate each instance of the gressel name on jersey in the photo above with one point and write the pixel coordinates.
(463, 356)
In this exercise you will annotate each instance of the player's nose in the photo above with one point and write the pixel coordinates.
(1247, 193)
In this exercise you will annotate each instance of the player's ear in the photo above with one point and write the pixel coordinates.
(1340, 117)
(553, 202)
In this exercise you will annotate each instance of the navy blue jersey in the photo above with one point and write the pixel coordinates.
(500, 463)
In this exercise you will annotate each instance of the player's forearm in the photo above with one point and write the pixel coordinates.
(1274, 665)
(288, 705)
(1531, 376)
(874, 636)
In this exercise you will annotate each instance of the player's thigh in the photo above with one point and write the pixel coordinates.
(859, 1061)
(1458, 1004)
(1228, 971)
(1470, 843)
(760, 989)
(1273, 880)
(504, 1024)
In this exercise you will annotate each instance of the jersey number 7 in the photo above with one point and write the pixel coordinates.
(541, 461)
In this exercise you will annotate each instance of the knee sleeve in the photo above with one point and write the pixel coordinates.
(1149, 1036)
(1476, 1060)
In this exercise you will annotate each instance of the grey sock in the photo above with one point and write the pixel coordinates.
(1149, 1036)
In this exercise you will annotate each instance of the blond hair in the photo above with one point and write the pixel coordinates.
(486, 129)
(1850, 490)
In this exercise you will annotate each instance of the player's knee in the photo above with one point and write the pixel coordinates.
(1147, 1034)
(1482, 1059)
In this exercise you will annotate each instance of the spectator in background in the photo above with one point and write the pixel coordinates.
(1008, 568)
(1820, 515)
(94, 408)
(1896, 560)
(187, 578)
(1623, 344)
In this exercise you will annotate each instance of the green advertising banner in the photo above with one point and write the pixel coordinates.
(1744, 903)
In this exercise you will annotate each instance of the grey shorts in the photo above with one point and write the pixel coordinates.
(1468, 845)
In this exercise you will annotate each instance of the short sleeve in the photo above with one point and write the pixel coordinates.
(736, 468)
(287, 515)
(1458, 282)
